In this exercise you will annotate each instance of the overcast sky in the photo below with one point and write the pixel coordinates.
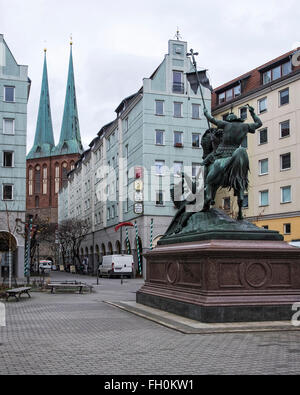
(118, 43)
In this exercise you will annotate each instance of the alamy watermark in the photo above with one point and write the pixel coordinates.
(296, 59)
(2, 315)
(2, 55)
(296, 316)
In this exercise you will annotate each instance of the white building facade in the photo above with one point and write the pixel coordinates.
(14, 93)
(125, 175)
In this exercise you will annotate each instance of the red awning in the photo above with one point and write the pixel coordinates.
(123, 224)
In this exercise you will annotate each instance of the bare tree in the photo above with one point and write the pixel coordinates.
(42, 232)
(71, 233)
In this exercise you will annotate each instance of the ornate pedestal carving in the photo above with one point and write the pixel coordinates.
(224, 280)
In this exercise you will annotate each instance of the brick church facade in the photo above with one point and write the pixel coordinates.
(47, 164)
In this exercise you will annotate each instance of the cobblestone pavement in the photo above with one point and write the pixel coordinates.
(79, 334)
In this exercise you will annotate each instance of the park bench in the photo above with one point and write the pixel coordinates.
(69, 285)
(17, 292)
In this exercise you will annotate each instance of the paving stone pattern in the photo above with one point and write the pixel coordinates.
(79, 334)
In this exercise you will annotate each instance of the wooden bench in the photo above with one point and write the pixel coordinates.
(78, 287)
(17, 292)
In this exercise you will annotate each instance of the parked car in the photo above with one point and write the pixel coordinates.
(116, 265)
(45, 266)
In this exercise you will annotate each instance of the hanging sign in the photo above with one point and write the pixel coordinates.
(138, 208)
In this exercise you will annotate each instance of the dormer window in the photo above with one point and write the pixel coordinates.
(230, 94)
(277, 72)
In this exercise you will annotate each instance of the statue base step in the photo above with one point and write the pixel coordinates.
(219, 281)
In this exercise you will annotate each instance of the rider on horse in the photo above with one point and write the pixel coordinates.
(228, 165)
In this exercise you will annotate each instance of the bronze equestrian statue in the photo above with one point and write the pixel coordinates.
(227, 166)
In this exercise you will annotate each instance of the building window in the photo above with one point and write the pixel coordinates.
(285, 161)
(8, 126)
(159, 167)
(8, 159)
(178, 141)
(284, 129)
(195, 169)
(243, 113)
(264, 198)
(37, 187)
(263, 136)
(177, 109)
(7, 192)
(178, 86)
(277, 72)
(30, 183)
(222, 98)
(45, 180)
(159, 198)
(224, 116)
(159, 107)
(286, 195)
(178, 168)
(246, 201)
(262, 105)
(196, 140)
(263, 167)
(37, 202)
(284, 97)
(196, 111)
(56, 188)
(159, 137)
(226, 203)
(287, 229)
(266, 227)
(113, 212)
(230, 94)
(108, 214)
(9, 94)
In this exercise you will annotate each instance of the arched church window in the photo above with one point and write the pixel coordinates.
(37, 188)
(64, 173)
(56, 189)
(45, 175)
(30, 181)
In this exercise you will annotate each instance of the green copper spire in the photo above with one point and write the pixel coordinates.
(44, 140)
(70, 140)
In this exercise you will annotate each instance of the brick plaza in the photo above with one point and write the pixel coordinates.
(80, 334)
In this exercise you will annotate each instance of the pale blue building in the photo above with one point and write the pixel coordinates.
(14, 94)
(127, 172)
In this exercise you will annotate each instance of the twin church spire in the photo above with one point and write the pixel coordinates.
(70, 140)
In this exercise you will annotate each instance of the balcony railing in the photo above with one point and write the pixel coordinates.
(178, 87)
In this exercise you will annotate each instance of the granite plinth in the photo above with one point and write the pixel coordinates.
(224, 280)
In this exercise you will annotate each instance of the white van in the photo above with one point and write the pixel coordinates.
(45, 266)
(116, 265)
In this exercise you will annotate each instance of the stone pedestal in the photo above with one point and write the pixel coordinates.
(224, 280)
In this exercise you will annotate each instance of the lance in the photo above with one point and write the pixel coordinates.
(193, 54)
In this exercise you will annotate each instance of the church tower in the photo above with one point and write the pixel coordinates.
(48, 164)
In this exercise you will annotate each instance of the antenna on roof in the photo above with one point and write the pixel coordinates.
(177, 35)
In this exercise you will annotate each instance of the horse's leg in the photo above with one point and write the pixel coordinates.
(240, 196)
(212, 182)
(213, 194)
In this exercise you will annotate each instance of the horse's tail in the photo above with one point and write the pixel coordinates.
(236, 171)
